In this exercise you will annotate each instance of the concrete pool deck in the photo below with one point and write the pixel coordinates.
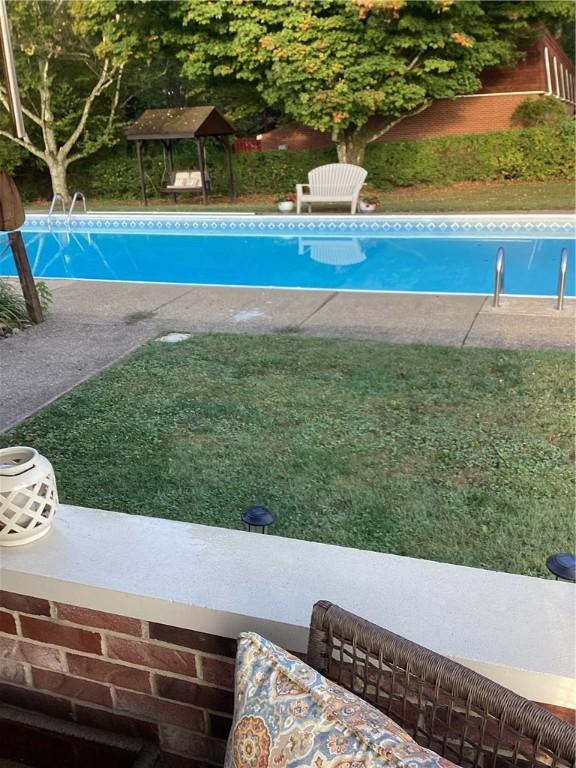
(91, 325)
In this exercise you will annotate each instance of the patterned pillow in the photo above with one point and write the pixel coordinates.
(287, 715)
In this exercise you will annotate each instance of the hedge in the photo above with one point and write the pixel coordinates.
(115, 174)
(528, 154)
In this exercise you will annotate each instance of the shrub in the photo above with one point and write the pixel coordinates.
(266, 172)
(528, 154)
(13, 312)
(541, 112)
(114, 174)
(12, 307)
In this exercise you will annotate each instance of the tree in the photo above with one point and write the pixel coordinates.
(354, 67)
(71, 56)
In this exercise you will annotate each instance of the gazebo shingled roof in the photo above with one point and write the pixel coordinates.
(177, 123)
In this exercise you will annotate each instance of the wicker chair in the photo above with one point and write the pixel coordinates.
(446, 707)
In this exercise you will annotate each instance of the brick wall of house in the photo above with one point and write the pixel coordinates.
(171, 686)
(529, 74)
(456, 118)
(445, 117)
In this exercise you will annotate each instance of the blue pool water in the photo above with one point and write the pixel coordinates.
(302, 256)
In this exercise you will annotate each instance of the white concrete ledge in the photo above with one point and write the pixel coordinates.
(515, 629)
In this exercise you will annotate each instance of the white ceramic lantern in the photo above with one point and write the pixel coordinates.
(28, 496)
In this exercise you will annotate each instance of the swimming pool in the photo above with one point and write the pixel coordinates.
(433, 254)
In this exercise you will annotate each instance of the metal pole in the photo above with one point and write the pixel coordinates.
(10, 75)
(15, 238)
(562, 278)
(499, 277)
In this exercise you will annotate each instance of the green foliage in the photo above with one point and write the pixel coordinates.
(530, 154)
(44, 294)
(268, 172)
(112, 174)
(334, 64)
(13, 312)
(542, 112)
(79, 63)
(11, 156)
(401, 449)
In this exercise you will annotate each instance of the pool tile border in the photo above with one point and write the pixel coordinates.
(519, 225)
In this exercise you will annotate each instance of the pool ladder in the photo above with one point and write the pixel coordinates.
(58, 198)
(75, 197)
(499, 278)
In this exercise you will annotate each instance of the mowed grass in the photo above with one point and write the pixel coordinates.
(456, 455)
(466, 197)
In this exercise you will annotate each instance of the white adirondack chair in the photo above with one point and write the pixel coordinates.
(338, 252)
(333, 183)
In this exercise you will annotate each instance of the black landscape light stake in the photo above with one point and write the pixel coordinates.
(258, 519)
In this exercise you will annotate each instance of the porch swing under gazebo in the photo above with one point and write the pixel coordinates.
(176, 124)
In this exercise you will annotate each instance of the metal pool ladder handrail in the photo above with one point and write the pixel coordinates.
(498, 277)
(53, 202)
(562, 278)
(73, 203)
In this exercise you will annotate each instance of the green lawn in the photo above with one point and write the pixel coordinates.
(456, 455)
(458, 198)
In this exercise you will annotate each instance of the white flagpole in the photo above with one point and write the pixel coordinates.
(10, 74)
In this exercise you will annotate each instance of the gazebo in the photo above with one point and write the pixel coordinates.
(176, 124)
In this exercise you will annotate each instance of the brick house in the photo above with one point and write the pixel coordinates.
(546, 69)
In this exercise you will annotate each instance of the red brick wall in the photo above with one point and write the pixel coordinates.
(295, 137)
(171, 686)
(526, 75)
(458, 117)
(443, 118)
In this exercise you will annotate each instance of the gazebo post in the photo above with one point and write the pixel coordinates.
(170, 154)
(141, 171)
(200, 150)
(229, 168)
(169, 162)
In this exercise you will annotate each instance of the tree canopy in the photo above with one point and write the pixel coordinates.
(71, 58)
(351, 67)
(355, 67)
